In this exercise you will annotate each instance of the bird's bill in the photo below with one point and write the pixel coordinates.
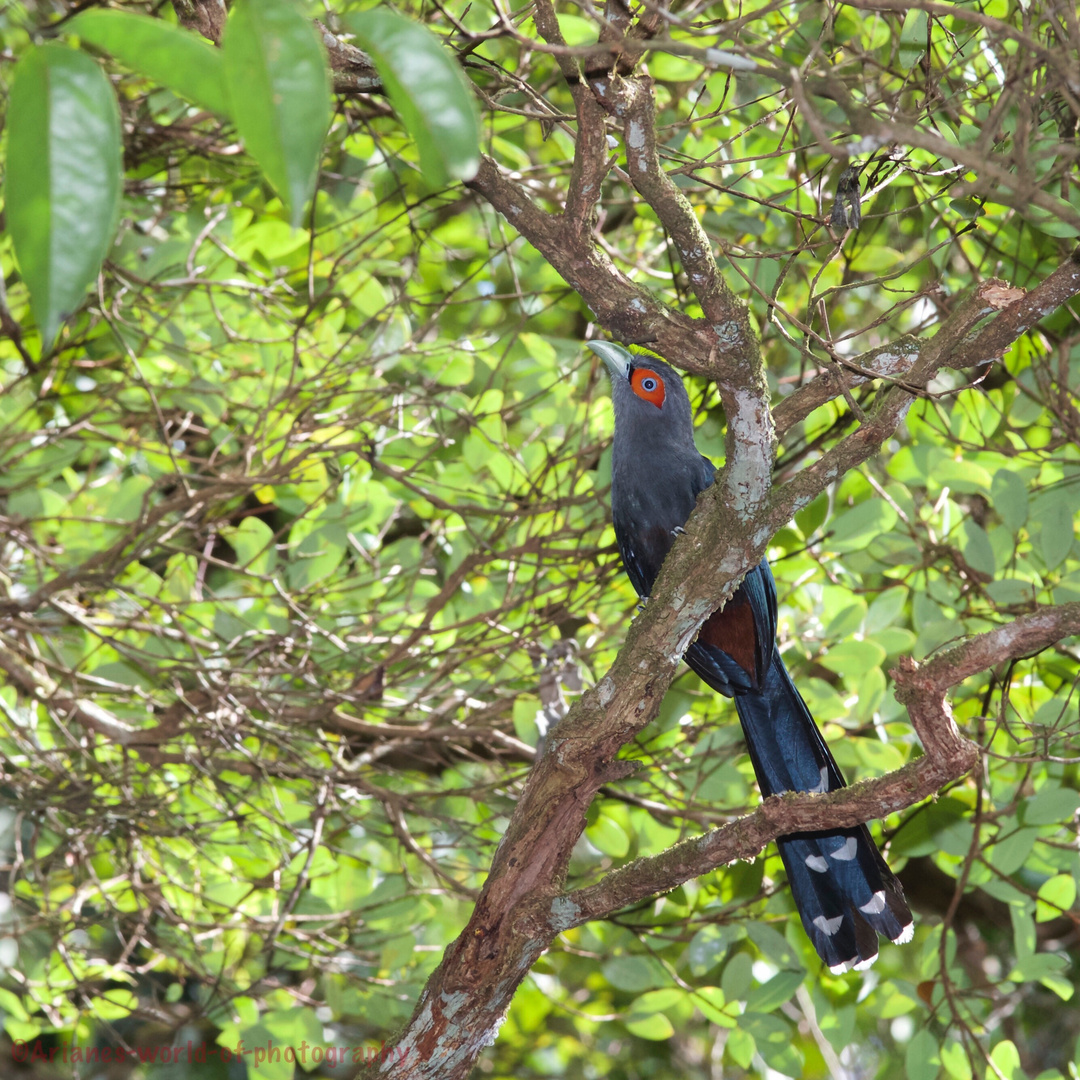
(616, 359)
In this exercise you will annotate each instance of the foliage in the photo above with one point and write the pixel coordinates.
(305, 540)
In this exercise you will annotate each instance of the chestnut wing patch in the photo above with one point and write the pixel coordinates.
(733, 631)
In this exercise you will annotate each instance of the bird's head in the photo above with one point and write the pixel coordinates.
(646, 392)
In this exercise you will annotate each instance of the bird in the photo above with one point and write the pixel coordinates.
(844, 891)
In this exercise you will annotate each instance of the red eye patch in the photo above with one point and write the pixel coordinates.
(648, 386)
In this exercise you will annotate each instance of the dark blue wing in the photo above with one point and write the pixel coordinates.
(646, 520)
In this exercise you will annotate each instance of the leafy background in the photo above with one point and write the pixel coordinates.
(305, 539)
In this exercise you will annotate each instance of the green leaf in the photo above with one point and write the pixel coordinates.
(775, 992)
(738, 974)
(847, 621)
(1010, 591)
(181, 572)
(921, 1059)
(1050, 806)
(428, 90)
(114, 1005)
(1009, 495)
(1024, 938)
(1008, 855)
(710, 945)
(925, 831)
(1056, 896)
(291, 1027)
(279, 91)
(954, 1058)
(714, 1006)
(895, 639)
(655, 1001)
(316, 550)
(262, 1062)
(634, 973)
(1055, 538)
(253, 541)
(667, 68)
(1006, 1058)
(885, 610)
(853, 658)
(855, 528)
(62, 189)
(609, 837)
(969, 208)
(810, 519)
(189, 66)
(741, 1047)
(977, 550)
(773, 947)
(912, 39)
(773, 1038)
(656, 1027)
(647, 1019)
(577, 30)
(1060, 986)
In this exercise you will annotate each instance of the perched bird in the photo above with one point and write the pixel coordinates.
(843, 889)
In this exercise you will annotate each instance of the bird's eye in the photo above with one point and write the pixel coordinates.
(648, 385)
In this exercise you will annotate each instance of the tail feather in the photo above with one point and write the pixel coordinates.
(844, 891)
(845, 895)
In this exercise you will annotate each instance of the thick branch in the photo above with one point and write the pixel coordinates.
(1020, 316)
(590, 163)
(891, 361)
(632, 102)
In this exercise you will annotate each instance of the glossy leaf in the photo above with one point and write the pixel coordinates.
(854, 528)
(922, 1061)
(428, 90)
(1056, 897)
(713, 1006)
(1055, 538)
(913, 38)
(1006, 1061)
(1010, 498)
(186, 64)
(775, 992)
(977, 549)
(655, 1026)
(62, 188)
(741, 1047)
(955, 1060)
(1050, 805)
(609, 837)
(1010, 853)
(279, 91)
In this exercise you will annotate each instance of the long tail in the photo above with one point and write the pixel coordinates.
(841, 885)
